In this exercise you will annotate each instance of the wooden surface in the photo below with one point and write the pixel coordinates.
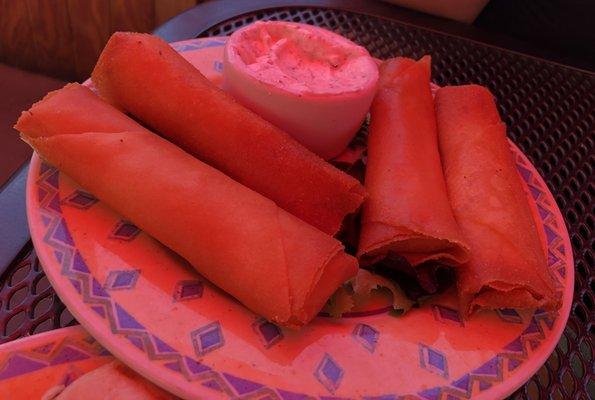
(18, 90)
(63, 38)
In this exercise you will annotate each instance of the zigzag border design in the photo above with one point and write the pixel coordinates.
(120, 322)
(520, 349)
(73, 266)
(75, 269)
(47, 358)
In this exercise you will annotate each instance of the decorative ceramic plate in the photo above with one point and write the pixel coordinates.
(31, 366)
(151, 310)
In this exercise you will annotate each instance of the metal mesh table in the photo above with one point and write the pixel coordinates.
(550, 113)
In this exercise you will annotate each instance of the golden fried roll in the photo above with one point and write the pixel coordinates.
(271, 261)
(508, 267)
(407, 211)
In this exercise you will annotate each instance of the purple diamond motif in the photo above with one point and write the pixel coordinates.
(241, 386)
(534, 344)
(69, 354)
(125, 230)
(268, 332)
(194, 367)
(552, 259)
(162, 347)
(509, 315)
(433, 361)
(90, 340)
(174, 366)
(76, 284)
(136, 341)
(78, 264)
(62, 234)
(80, 199)
(187, 290)
(329, 373)
(207, 338)
(53, 179)
(213, 384)
(125, 320)
(44, 349)
(535, 191)
(550, 319)
(516, 346)
(44, 167)
(218, 66)
(367, 336)
(19, 365)
(525, 173)
(59, 255)
(99, 310)
(543, 213)
(447, 315)
(292, 396)
(431, 394)
(97, 289)
(41, 193)
(45, 219)
(533, 327)
(492, 368)
(514, 363)
(335, 398)
(118, 280)
(550, 234)
(54, 203)
(463, 383)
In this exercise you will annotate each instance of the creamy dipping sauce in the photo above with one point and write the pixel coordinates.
(304, 59)
(312, 83)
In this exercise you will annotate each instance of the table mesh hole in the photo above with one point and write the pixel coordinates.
(582, 229)
(588, 300)
(577, 365)
(21, 273)
(66, 318)
(591, 386)
(571, 216)
(40, 284)
(18, 296)
(568, 383)
(585, 198)
(43, 326)
(544, 375)
(586, 350)
(580, 312)
(533, 390)
(580, 209)
(558, 394)
(554, 360)
(14, 322)
(43, 305)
